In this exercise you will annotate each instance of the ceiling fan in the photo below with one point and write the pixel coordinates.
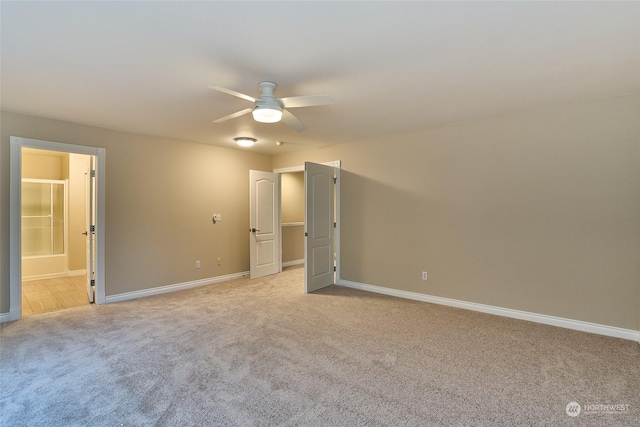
(269, 109)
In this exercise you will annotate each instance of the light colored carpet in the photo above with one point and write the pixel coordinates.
(259, 353)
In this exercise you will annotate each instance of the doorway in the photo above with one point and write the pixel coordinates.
(292, 210)
(44, 230)
(53, 230)
(318, 261)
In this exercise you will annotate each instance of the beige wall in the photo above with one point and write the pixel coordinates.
(537, 212)
(40, 164)
(160, 197)
(292, 197)
(292, 243)
(292, 202)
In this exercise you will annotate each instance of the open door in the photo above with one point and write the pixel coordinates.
(319, 223)
(90, 228)
(264, 223)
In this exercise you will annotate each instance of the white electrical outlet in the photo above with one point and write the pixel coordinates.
(197, 264)
(424, 275)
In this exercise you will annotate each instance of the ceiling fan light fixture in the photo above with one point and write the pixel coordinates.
(270, 109)
(244, 141)
(267, 113)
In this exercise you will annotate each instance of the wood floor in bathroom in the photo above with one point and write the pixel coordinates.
(41, 296)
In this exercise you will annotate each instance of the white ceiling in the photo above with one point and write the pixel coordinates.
(390, 67)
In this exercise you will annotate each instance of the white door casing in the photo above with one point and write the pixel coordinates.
(264, 223)
(319, 226)
(15, 270)
(90, 224)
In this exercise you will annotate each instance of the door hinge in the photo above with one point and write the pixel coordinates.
(334, 268)
(306, 234)
(93, 173)
(93, 282)
(335, 180)
(335, 224)
(93, 228)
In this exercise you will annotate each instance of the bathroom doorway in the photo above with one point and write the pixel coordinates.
(53, 211)
(80, 241)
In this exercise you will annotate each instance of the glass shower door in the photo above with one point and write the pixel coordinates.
(42, 218)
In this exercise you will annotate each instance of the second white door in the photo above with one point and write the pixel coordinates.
(319, 226)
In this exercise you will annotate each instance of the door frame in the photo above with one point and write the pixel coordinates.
(89, 224)
(15, 220)
(337, 165)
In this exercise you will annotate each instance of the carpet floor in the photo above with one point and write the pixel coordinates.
(262, 353)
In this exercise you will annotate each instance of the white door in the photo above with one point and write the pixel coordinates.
(264, 225)
(90, 228)
(318, 221)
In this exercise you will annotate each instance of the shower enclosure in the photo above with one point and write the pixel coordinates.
(44, 224)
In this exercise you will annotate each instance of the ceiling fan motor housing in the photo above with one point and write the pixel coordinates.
(271, 104)
(267, 108)
(267, 88)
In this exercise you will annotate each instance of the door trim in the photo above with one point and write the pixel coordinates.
(337, 165)
(15, 220)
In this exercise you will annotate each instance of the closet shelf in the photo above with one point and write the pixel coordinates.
(292, 224)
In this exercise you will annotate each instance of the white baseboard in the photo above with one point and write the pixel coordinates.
(43, 277)
(13, 314)
(577, 325)
(172, 288)
(72, 273)
(294, 262)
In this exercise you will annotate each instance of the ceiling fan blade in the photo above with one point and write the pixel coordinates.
(233, 92)
(234, 115)
(291, 120)
(306, 101)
